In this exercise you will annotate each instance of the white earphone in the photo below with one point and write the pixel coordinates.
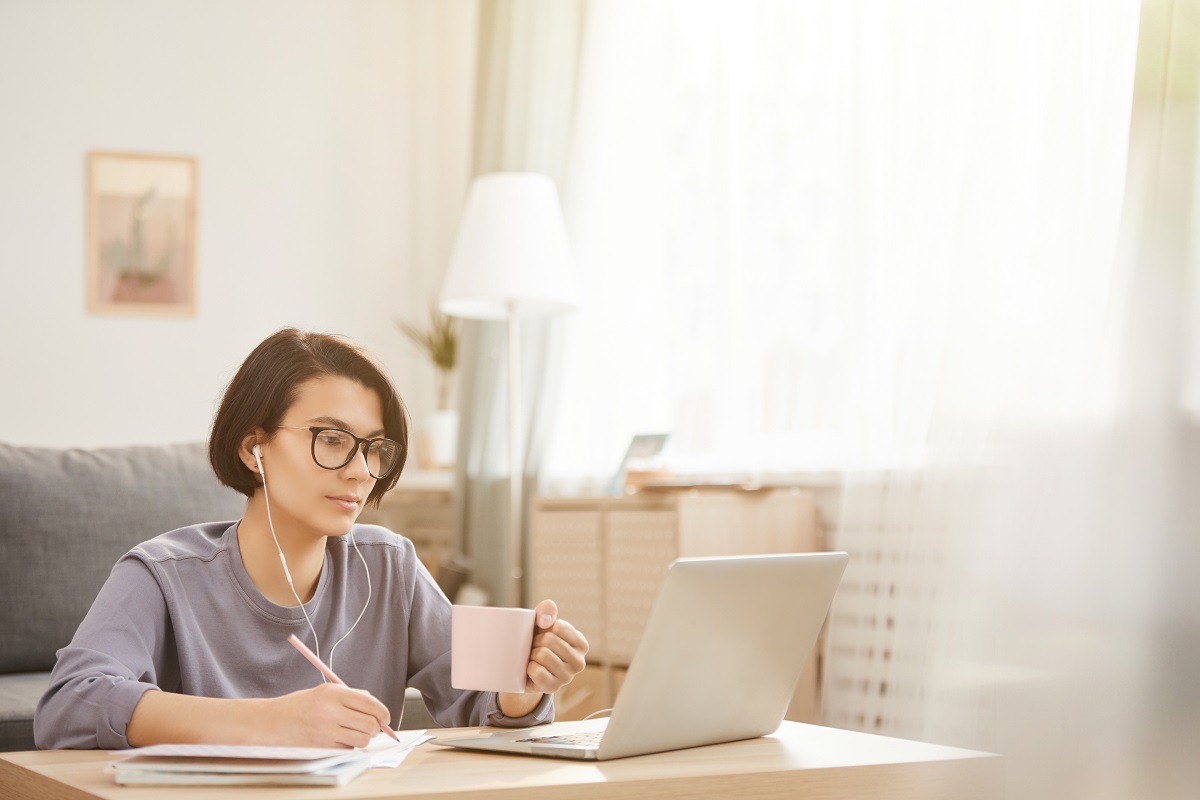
(287, 573)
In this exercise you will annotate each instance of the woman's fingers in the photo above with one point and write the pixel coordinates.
(565, 641)
(545, 613)
(364, 702)
(330, 715)
(557, 657)
(353, 737)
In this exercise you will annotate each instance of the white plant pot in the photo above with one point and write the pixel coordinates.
(443, 437)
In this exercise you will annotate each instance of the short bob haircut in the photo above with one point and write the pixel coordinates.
(264, 388)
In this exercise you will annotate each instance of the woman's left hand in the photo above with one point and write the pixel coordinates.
(558, 651)
(556, 656)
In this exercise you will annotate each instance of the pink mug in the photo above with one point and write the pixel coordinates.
(489, 648)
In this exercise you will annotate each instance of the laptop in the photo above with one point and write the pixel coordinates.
(718, 661)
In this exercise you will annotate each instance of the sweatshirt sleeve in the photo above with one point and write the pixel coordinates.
(116, 655)
(429, 667)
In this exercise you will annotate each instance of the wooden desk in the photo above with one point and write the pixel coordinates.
(799, 760)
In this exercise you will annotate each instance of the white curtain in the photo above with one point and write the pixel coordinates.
(768, 197)
(989, 167)
(493, 88)
(704, 228)
(527, 65)
(894, 239)
(441, 45)
(1022, 589)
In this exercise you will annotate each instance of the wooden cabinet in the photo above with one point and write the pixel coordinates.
(420, 508)
(603, 559)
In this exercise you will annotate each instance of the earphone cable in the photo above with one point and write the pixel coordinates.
(364, 608)
(286, 572)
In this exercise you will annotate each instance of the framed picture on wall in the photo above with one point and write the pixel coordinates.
(141, 234)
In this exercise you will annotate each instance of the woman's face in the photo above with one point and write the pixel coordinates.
(304, 497)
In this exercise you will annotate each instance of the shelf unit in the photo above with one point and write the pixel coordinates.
(420, 508)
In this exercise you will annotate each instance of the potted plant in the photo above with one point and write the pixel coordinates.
(439, 341)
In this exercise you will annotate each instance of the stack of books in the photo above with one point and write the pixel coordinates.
(242, 765)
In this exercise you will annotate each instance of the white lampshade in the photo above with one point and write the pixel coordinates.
(511, 253)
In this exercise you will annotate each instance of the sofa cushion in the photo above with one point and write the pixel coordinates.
(19, 695)
(66, 516)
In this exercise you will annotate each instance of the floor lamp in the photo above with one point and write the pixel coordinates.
(511, 260)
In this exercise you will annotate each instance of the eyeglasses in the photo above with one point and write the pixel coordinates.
(333, 448)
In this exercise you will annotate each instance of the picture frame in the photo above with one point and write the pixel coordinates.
(141, 233)
(642, 447)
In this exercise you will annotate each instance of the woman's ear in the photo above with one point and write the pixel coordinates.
(246, 451)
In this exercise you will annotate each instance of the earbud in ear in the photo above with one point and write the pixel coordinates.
(257, 452)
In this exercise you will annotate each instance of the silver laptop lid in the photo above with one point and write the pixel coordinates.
(722, 651)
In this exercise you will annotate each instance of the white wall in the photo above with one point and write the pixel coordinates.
(298, 115)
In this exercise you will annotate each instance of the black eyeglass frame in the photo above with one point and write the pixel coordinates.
(360, 445)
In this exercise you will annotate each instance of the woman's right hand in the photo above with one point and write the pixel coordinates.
(328, 715)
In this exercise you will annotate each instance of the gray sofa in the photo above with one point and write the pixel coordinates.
(66, 516)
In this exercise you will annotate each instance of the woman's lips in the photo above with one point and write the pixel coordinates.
(346, 503)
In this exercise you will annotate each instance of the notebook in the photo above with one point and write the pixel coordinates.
(205, 764)
(718, 661)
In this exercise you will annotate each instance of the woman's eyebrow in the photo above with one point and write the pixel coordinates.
(341, 423)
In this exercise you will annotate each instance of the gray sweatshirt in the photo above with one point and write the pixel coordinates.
(179, 613)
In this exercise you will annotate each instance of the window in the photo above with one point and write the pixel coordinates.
(806, 227)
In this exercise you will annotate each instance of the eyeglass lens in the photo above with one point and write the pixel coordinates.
(333, 449)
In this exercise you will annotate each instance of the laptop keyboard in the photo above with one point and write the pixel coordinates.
(586, 739)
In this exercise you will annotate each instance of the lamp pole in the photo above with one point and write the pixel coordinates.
(516, 474)
(511, 259)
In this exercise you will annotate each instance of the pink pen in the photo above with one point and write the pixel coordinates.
(328, 673)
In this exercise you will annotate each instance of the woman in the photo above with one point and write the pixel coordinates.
(187, 640)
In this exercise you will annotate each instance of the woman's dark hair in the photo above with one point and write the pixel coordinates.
(264, 388)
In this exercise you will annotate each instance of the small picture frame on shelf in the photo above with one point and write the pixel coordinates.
(642, 450)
